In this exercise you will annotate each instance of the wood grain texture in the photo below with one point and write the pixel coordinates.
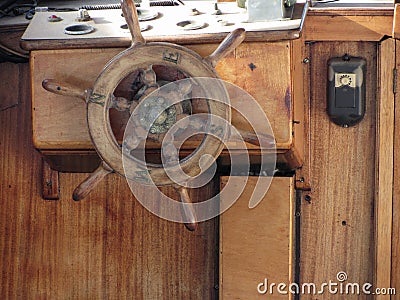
(336, 27)
(9, 75)
(396, 22)
(249, 69)
(384, 166)
(257, 243)
(228, 45)
(10, 40)
(337, 225)
(50, 182)
(255, 36)
(299, 74)
(395, 280)
(59, 122)
(106, 247)
(60, 119)
(301, 111)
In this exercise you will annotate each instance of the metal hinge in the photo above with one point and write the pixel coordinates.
(394, 81)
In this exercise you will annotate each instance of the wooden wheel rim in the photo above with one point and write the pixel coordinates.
(141, 57)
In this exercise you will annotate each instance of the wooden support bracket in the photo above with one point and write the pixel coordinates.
(50, 182)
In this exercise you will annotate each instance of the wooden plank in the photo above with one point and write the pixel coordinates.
(337, 220)
(247, 68)
(396, 22)
(347, 28)
(384, 166)
(395, 280)
(254, 36)
(59, 122)
(9, 76)
(256, 244)
(106, 247)
(300, 98)
(301, 119)
(357, 9)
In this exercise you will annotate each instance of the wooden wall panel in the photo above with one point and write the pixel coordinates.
(105, 247)
(396, 189)
(357, 27)
(256, 245)
(337, 225)
(59, 122)
(384, 166)
(10, 99)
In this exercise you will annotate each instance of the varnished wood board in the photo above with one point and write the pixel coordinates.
(301, 119)
(9, 75)
(396, 22)
(105, 247)
(257, 244)
(59, 122)
(395, 270)
(337, 225)
(347, 28)
(384, 166)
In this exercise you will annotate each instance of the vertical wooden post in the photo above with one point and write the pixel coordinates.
(384, 166)
(396, 21)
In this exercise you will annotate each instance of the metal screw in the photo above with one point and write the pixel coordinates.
(306, 60)
(307, 198)
(252, 66)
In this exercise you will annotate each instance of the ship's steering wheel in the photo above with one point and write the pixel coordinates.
(140, 57)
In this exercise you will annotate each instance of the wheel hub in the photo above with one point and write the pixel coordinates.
(156, 115)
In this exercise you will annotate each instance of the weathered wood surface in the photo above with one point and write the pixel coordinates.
(384, 166)
(10, 41)
(347, 27)
(11, 98)
(299, 80)
(59, 122)
(395, 280)
(396, 22)
(264, 71)
(107, 246)
(337, 224)
(257, 243)
(163, 28)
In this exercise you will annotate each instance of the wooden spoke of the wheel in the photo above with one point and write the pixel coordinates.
(64, 89)
(131, 17)
(234, 39)
(187, 208)
(91, 182)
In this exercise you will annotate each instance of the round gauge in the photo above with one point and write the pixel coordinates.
(345, 79)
